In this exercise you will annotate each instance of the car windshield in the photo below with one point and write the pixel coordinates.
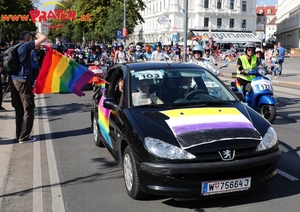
(177, 86)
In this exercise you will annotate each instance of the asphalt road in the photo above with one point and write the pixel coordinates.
(65, 171)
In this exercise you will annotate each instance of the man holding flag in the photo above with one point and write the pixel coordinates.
(21, 86)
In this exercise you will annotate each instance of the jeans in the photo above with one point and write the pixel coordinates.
(280, 66)
(23, 102)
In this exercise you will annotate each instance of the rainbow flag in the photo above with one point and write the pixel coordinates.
(101, 85)
(275, 64)
(61, 74)
(228, 59)
(238, 86)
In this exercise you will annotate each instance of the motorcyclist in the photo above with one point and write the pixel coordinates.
(261, 60)
(93, 57)
(159, 54)
(138, 54)
(121, 55)
(209, 57)
(197, 59)
(245, 63)
(148, 53)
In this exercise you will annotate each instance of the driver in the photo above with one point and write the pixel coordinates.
(181, 91)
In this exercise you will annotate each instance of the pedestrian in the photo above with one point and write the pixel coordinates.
(1, 83)
(21, 86)
(274, 60)
(281, 53)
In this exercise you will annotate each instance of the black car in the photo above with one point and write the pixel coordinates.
(177, 130)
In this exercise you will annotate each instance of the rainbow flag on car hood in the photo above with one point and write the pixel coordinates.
(61, 74)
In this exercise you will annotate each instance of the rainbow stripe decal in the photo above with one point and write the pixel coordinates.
(103, 121)
(194, 127)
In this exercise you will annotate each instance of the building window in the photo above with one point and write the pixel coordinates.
(258, 19)
(244, 6)
(206, 20)
(219, 22)
(219, 4)
(244, 24)
(206, 3)
(231, 23)
(231, 4)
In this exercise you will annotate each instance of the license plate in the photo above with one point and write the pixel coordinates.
(225, 186)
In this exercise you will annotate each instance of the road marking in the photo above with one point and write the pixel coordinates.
(286, 175)
(57, 198)
(37, 168)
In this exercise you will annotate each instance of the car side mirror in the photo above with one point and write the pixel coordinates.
(239, 95)
(110, 103)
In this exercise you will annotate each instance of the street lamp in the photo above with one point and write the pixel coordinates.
(124, 27)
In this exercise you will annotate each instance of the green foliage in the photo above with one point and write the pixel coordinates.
(106, 17)
(10, 30)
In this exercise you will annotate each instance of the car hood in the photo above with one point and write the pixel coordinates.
(191, 127)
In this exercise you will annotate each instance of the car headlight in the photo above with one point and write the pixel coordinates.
(165, 150)
(269, 140)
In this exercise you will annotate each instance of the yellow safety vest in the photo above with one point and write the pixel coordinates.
(247, 67)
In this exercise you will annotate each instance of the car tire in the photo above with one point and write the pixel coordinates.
(96, 133)
(131, 178)
(268, 112)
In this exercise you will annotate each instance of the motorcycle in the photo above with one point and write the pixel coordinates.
(98, 76)
(260, 98)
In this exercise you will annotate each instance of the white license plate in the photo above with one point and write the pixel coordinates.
(225, 186)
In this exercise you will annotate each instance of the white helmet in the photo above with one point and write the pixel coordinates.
(138, 47)
(258, 50)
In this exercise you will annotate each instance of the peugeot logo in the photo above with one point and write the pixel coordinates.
(227, 154)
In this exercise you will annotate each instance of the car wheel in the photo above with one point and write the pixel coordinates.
(268, 112)
(96, 133)
(131, 177)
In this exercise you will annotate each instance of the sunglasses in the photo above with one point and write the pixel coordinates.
(250, 50)
(258, 52)
(197, 52)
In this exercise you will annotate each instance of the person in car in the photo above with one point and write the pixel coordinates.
(144, 97)
(181, 91)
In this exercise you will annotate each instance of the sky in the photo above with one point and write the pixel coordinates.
(266, 2)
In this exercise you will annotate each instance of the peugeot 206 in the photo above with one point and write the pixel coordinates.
(175, 136)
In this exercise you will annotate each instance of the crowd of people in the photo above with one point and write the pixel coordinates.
(31, 55)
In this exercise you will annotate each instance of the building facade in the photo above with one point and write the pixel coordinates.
(164, 18)
(266, 26)
(288, 23)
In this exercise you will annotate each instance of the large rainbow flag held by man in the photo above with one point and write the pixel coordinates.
(61, 74)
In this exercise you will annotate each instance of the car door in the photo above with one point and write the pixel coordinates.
(115, 116)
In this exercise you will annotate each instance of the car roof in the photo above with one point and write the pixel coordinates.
(158, 65)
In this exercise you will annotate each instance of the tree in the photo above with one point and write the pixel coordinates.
(10, 30)
(106, 17)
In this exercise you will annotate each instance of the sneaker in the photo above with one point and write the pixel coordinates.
(30, 139)
(279, 73)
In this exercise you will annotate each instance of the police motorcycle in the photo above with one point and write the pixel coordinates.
(260, 97)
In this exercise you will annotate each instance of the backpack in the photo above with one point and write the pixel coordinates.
(11, 61)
